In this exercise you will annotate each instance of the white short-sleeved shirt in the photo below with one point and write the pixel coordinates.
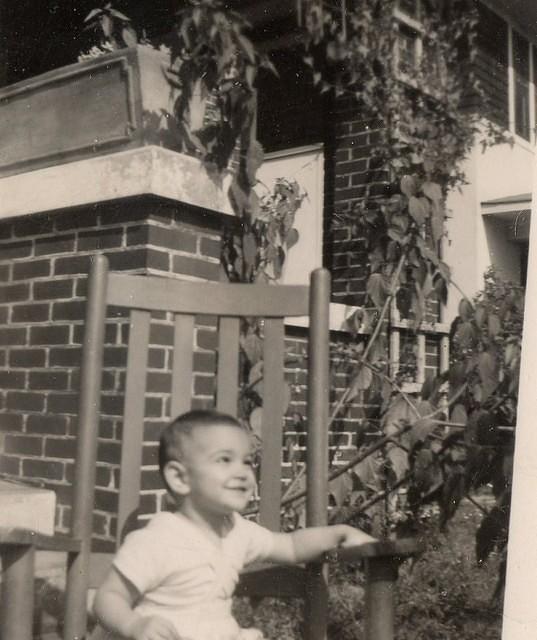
(187, 578)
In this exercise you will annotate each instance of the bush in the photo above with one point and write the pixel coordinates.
(442, 595)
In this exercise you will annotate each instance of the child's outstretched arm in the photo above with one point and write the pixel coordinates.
(304, 545)
(113, 607)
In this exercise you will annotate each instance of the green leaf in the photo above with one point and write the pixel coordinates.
(437, 221)
(432, 190)
(247, 47)
(292, 238)
(481, 315)
(457, 376)
(477, 392)
(106, 25)
(129, 36)
(93, 14)
(376, 289)
(417, 210)
(252, 345)
(465, 309)
(444, 270)
(395, 234)
(249, 249)
(398, 459)
(266, 63)
(465, 335)
(361, 382)
(441, 289)
(427, 252)
(421, 429)
(354, 322)
(408, 186)
(256, 421)
(117, 14)
(398, 413)
(458, 414)
(494, 325)
(254, 160)
(511, 355)
(340, 488)
(488, 373)
(400, 221)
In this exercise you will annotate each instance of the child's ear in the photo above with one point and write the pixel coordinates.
(176, 477)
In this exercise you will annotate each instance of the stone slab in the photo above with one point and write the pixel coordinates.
(27, 507)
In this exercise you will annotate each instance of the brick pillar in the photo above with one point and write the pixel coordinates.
(44, 261)
(352, 175)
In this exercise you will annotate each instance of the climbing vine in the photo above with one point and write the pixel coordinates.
(457, 433)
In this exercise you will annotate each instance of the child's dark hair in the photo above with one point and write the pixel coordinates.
(171, 445)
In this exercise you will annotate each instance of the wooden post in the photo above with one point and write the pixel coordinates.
(381, 579)
(17, 603)
(519, 614)
(317, 450)
(88, 425)
(4, 45)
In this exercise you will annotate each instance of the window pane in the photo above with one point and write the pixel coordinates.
(521, 66)
(521, 55)
(491, 64)
(406, 49)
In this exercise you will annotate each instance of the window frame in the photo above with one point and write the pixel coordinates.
(513, 32)
(409, 23)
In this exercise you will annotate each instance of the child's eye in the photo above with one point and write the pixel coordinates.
(224, 459)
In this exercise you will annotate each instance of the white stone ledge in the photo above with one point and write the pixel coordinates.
(147, 170)
(337, 319)
(27, 507)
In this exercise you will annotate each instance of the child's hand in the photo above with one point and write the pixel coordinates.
(354, 537)
(153, 628)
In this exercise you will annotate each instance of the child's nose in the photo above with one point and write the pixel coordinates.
(244, 470)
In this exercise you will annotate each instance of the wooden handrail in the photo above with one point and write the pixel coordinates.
(26, 537)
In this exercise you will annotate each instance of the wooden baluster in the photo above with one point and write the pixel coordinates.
(133, 423)
(183, 348)
(317, 451)
(272, 429)
(381, 580)
(85, 465)
(17, 601)
(227, 381)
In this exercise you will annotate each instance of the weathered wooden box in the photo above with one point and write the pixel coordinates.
(112, 103)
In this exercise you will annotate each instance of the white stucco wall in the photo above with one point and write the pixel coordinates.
(474, 240)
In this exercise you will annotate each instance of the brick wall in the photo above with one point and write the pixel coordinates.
(352, 175)
(44, 261)
(43, 265)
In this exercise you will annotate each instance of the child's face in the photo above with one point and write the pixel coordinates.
(218, 462)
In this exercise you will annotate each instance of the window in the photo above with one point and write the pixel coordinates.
(521, 87)
(306, 166)
(407, 49)
(409, 37)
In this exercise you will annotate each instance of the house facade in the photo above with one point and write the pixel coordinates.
(491, 215)
(69, 190)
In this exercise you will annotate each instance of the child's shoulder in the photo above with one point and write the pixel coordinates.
(250, 534)
(161, 526)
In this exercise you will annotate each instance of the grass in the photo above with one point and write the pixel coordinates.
(442, 595)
